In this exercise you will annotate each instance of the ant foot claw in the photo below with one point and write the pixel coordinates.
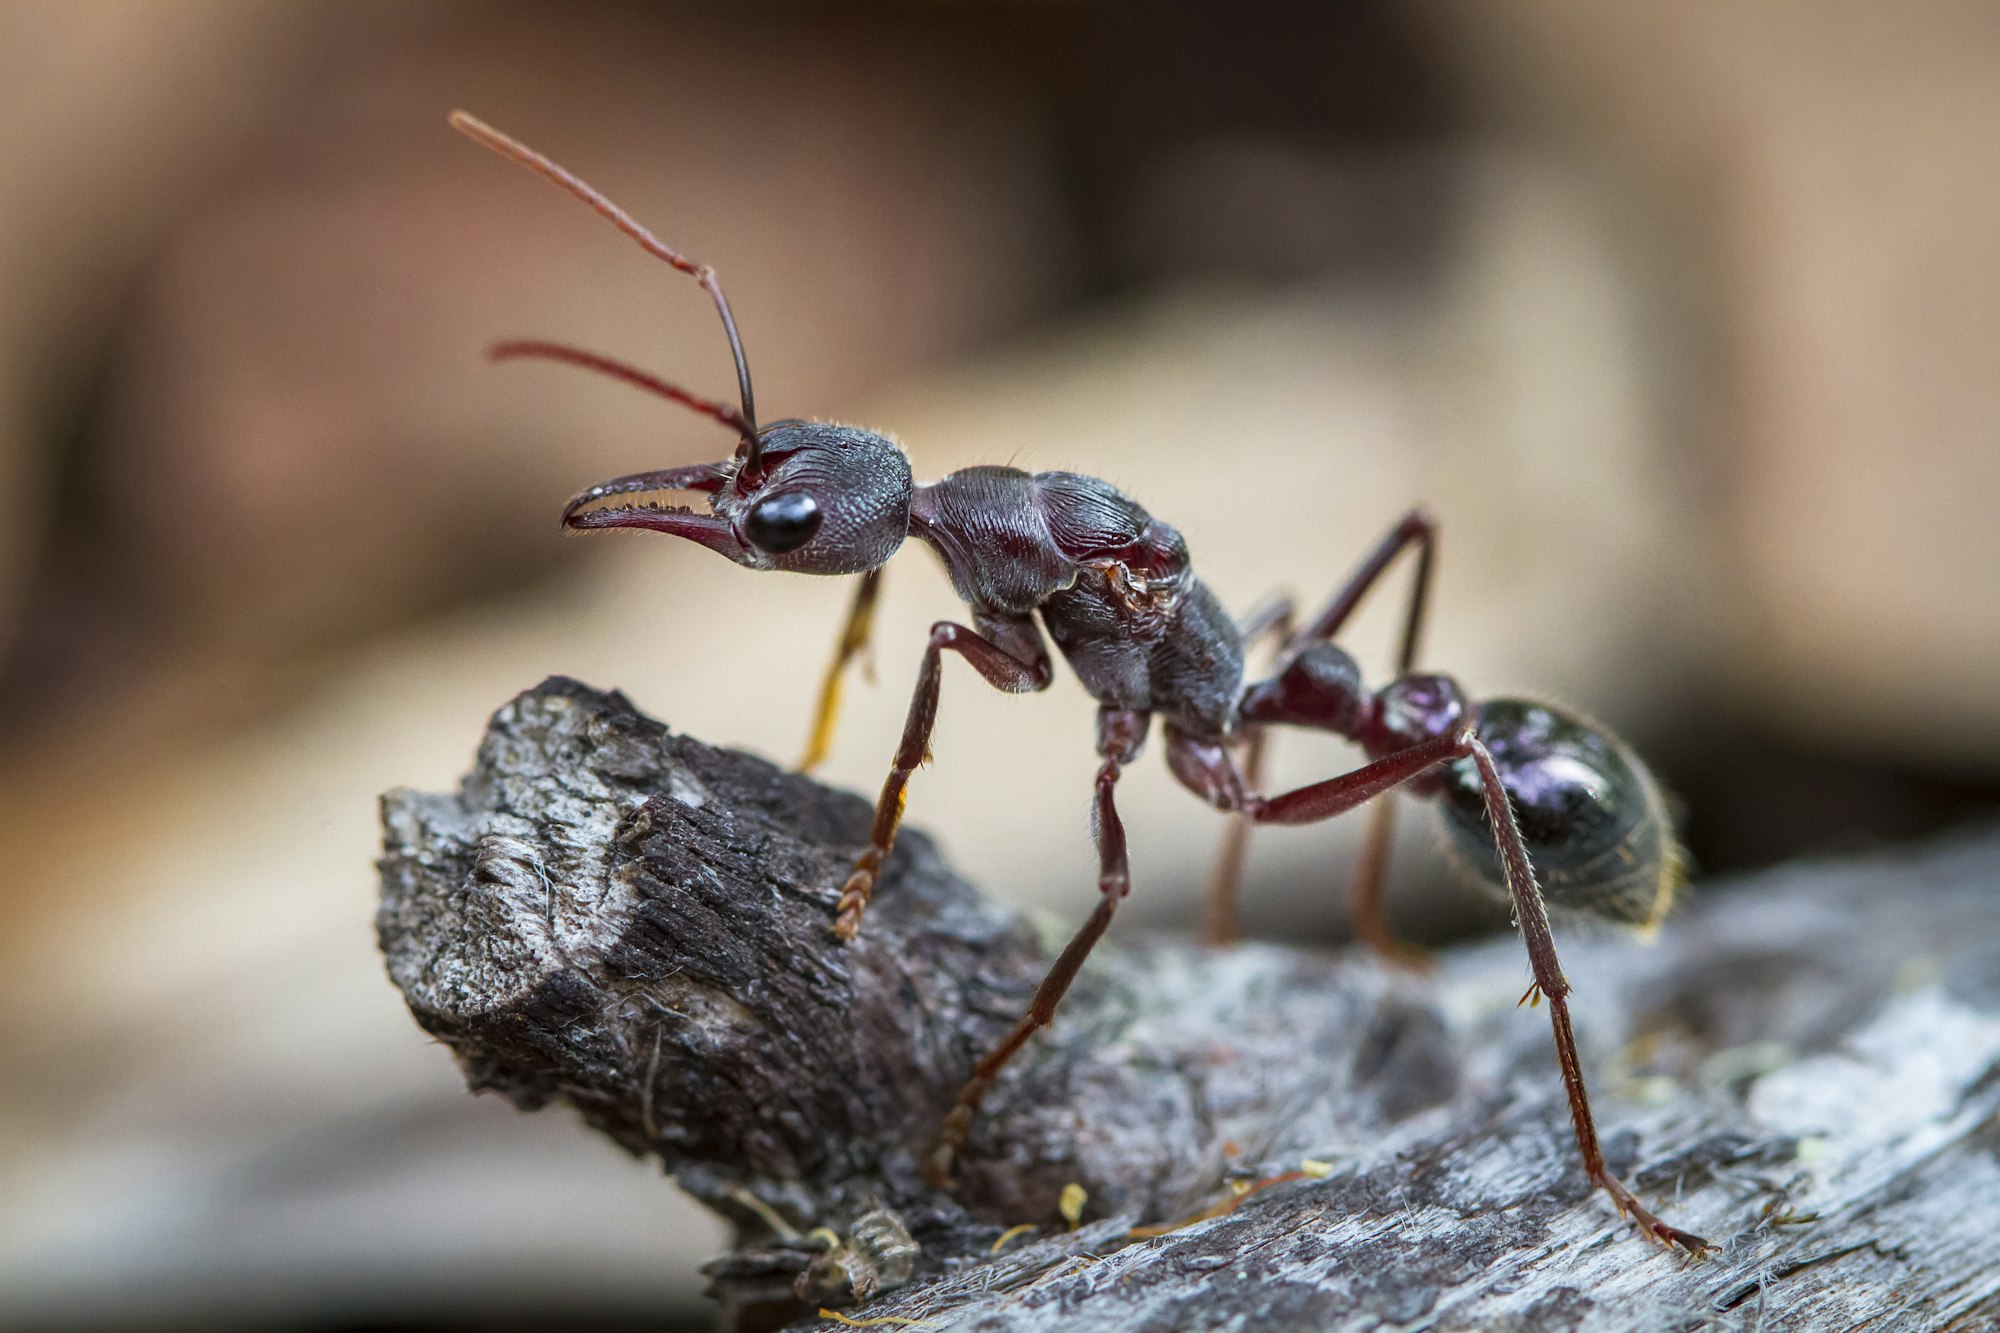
(1651, 1227)
(1397, 953)
(943, 1154)
(854, 895)
(1676, 1239)
(1407, 958)
(937, 1165)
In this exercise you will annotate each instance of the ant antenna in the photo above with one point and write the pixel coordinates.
(746, 422)
(604, 365)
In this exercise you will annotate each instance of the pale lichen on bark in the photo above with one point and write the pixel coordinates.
(635, 924)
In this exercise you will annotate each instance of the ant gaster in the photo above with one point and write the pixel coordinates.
(1521, 784)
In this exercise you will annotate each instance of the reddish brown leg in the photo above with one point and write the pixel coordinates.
(1371, 926)
(1207, 769)
(1273, 616)
(1371, 870)
(853, 639)
(1364, 896)
(1225, 879)
(1120, 733)
(1533, 918)
(1418, 529)
(1334, 796)
(1010, 655)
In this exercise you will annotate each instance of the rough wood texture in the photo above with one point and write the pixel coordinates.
(1806, 1069)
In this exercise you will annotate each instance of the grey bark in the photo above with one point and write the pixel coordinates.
(1806, 1069)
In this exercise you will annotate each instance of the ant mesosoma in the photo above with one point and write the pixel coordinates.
(1114, 588)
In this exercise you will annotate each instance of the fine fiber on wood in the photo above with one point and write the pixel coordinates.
(1805, 1069)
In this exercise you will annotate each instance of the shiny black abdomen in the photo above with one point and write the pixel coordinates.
(1592, 815)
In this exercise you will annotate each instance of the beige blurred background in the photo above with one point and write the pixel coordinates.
(1684, 319)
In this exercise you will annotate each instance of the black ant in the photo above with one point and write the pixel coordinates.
(1114, 588)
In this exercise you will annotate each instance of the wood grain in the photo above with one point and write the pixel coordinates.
(629, 922)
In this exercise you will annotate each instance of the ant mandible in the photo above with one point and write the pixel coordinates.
(1114, 589)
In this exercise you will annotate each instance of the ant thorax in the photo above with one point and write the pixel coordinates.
(1111, 582)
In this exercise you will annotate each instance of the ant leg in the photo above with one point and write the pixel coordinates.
(1206, 768)
(1120, 734)
(1417, 528)
(1533, 918)
(1334, 796)
(853, 639)
(1371, 870)
(1364, 893)
(1272, 617)
(1009, 653)
(1225, 878)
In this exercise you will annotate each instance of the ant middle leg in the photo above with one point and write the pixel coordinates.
(1120, 734)
(1010, 654)
(1365, 892)
(1271, 618)
(1371, 926)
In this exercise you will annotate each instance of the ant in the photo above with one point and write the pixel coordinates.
(1114, 588)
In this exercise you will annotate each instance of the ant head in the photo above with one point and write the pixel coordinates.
(798, 495)
(823, 499)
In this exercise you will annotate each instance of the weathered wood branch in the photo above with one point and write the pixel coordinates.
(1806, 1069)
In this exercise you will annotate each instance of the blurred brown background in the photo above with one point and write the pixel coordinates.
(1684, 319)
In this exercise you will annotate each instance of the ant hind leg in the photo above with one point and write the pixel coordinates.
(1532, 915)
(1207, 768)
(1371, 870)
(1364, 894)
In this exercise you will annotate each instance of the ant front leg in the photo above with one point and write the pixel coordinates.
(1009, 653)
(1272, 617)
(1121, 732)
(853, 639)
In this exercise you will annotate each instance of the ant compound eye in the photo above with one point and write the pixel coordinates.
(781, 523)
